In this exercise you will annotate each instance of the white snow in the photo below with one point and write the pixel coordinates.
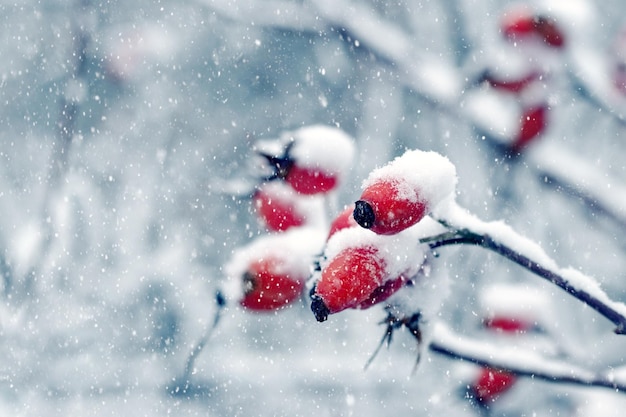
(593, 67)
(129, 49)
(367, 27)
(113, 243)
(402, 253)
(309, 207)
(25, 247)
(493, 112)
(323, 147)
(502, 233)
(511, 357)
(516, 300)
(297, 249)
(437, 79)
(419, 176)
(583, 176)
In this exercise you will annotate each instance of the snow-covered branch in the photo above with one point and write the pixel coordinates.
(518, 361)
(502, 239)
(582, 178)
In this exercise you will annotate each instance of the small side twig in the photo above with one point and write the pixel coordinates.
(182, 383)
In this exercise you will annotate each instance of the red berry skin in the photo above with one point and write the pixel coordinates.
(512, 86)
(350, 278)
(343, 221)
(310, 181)
(278, 215)
(517, 27)
(549, 31)
(533, 123)
(383, 292)
(525, 25)
(507, 324)
(268, 288)
(392, 213)
(492, 383)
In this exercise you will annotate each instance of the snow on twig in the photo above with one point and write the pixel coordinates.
(502, 239)
(518, 361)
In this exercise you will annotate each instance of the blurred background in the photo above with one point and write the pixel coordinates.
(122, 124)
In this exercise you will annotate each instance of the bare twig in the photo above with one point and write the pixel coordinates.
(183, 382)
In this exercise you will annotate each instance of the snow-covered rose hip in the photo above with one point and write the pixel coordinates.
(321, 156)
(315, 159)
(278, 207)
(512, 309)
(491, 384)
(270, 272)
(361, 269)
(347, 280)
(268, 285)
(401, 193)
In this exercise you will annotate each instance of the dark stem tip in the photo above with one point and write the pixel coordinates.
(319, 309)
(364, 214)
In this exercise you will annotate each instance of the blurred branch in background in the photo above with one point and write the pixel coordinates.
(520, 361)
(75, 89)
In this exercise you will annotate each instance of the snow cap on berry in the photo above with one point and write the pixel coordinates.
(423, 176)
(328, 149)
(383, 259)
(296, 248)
(279, 207)
(400, 253)
(519, 302)
(401, 193)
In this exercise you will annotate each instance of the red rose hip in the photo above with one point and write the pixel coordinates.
(384, 209)
(267, 288)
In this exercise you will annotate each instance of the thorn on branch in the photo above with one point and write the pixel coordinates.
(393, 322)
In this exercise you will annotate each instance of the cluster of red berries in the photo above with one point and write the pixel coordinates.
(373, 248)
(523, 27)
(304, 167)
(370, 251)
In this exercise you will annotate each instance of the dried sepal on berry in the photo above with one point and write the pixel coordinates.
(314, 160)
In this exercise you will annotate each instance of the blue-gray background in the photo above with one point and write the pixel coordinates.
(119, 123)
